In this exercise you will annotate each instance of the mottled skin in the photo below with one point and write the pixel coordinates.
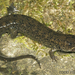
(36, 31)
(14, 24)
(33, 29)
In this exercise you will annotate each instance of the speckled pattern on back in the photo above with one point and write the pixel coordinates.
(33, 29)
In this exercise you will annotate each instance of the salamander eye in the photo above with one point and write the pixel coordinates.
(69, 44)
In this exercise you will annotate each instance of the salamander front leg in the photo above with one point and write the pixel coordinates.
(13, 32)
(53, 57)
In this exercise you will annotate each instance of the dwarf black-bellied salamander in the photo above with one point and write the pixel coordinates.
(29, 27)
(36, 31)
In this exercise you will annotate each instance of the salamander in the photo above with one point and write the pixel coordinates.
(29, 27)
